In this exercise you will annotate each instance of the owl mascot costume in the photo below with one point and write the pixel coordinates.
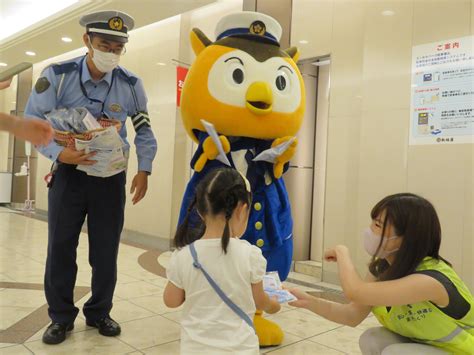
(243, 103)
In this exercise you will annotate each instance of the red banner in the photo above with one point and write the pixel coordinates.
(181, 75)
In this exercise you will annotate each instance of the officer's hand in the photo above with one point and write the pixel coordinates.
(139, 186)
(76, 157)
(210, 151)
(38, 132)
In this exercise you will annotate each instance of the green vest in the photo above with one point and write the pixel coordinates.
(424, 323)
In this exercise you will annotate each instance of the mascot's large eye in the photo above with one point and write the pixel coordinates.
(283, 80)
(235, 72)
(280, 82)
(238, 76)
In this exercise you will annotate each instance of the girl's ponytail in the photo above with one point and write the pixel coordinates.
(230, 204)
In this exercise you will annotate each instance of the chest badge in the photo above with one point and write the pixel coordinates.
(115, 108)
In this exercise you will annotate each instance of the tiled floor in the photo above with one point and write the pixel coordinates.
(148, 326)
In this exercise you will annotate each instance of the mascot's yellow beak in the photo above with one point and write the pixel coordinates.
(259, 98)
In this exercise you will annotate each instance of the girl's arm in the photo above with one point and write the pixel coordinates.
(348, 314)
(262, 301)
(173, 295)
(407, 290)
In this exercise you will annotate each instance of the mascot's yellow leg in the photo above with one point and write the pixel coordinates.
(268, 332)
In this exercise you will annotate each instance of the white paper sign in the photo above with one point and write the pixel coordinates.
(442, 92)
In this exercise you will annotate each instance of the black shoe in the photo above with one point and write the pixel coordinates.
(107, 326)
(56, 333)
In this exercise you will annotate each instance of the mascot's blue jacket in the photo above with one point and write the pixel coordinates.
(270, 225)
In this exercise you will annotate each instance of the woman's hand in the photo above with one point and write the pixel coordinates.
(303, 299)
(331, 255)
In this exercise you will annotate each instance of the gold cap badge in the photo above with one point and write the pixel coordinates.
(257, 28)
(116, 23)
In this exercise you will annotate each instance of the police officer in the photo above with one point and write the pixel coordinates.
(94, 81)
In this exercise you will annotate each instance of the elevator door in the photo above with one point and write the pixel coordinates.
(299, 177)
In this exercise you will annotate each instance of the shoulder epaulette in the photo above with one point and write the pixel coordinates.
(132, 80)
(64, 68)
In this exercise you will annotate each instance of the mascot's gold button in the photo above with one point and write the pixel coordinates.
(257, 206)
(258, 225)
(260, 243)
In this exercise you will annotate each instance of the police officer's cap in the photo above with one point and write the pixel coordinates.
(251, 25)
(112, 25)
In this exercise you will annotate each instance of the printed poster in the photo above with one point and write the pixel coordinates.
(442, 92)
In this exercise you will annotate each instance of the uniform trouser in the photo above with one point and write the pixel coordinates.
(72, 196)
(381, 341)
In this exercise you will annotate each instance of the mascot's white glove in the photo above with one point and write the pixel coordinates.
(210, 152)
(284, 158)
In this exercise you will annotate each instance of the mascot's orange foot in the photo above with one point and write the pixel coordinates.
(268, 332)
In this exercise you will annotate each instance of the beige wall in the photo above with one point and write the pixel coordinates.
(7, 104)
(368, 152)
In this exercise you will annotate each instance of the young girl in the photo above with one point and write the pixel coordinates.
(209, 325)
(423, 305)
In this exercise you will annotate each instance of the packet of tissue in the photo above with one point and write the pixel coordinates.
(283, 296)
(70, 120)
(273, 288)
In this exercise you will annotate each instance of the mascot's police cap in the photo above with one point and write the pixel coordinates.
(113, 25)
(251, 25)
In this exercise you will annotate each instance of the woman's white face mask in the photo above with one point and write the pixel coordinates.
(105, 62)
(372, 241)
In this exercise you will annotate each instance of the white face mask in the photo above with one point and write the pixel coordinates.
(105, 62)
(372, 241)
